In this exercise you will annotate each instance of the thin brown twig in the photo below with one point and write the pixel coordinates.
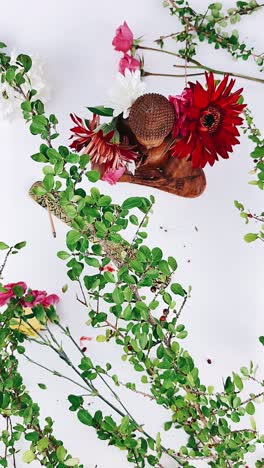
(252, 398)
(200, 65)
(5, 261)
(53, 230)
(83, 294)
(182, 307)
(171, 75)
(14, 453)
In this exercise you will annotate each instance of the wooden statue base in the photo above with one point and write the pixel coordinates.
(169, 174)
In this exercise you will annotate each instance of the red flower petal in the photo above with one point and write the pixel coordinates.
(210, 122)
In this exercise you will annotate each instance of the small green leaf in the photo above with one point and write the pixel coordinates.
(43, 444)
(100, 338)
(253, 423)
(39, 190)
(48, 181)
(73, 237)
(250, 237)
(118, 296)
(101, 110)
(238, 382)
(42, 386)
(28, 456)
(20, 245)
(134, 220)
(85, 417)
(3, 246)
(250, 408)
(104, 200)
(261, 339)
(163, 266)
(71, 462)
(25, 61)
(132, 202)
(84, 159)
(61, 453)
(178, 289)
(63, 255)
(172, 263)
(93, 176)
(32, 436)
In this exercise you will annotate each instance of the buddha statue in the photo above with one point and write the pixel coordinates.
(149, 128)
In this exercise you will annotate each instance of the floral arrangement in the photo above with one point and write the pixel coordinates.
(204, 127)
(127, 288)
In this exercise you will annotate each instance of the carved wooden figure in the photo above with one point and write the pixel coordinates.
(149, 128)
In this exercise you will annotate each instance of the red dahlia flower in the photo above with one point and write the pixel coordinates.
(211, 121)
(108, 157)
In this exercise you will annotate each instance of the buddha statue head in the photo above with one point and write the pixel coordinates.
(151, 119)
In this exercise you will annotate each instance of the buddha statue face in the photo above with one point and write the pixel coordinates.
(151, 119)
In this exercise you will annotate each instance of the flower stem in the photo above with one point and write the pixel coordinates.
(169, 75)
(61, 353)
(53, 372)
(199, 65)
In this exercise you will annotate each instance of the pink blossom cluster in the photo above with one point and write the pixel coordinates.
(123, 42)
(181, 103)
(37, 297)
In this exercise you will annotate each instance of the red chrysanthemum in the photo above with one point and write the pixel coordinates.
(212, 120)
(105, 155)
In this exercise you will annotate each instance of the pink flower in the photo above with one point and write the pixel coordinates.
(123, 39)
(51, 299)
(40, 297)
(5, 296)
(113, 175)
(181, 103)
(128, 62)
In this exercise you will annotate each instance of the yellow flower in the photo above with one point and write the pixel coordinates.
(25, 327)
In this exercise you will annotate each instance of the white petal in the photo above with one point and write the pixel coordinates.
(127, 88)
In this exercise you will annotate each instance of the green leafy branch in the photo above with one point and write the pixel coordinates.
(138, 306)
(210, 26)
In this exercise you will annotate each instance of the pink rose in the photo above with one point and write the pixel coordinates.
(128, 62)
(51, 299)
(123, 39)
(113, 175)
(181, 104)
(41, 297)
(5, 296)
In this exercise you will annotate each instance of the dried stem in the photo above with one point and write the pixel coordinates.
(199, 65)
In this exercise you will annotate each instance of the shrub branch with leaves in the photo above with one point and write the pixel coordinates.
(130, 294)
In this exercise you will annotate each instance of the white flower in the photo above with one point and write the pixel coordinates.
(10, 100)
(125, 91)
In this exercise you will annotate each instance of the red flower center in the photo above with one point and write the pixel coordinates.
(211, 118)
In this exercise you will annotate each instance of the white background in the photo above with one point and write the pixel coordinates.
(225, 314)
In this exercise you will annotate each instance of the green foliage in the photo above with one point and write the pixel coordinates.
(214, 26)
(128, 289)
